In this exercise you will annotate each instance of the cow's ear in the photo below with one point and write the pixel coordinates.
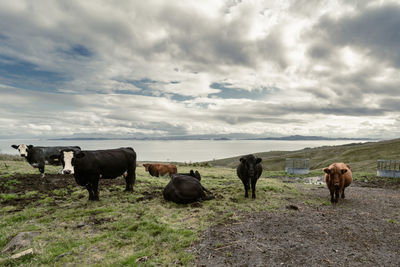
(326, 170)
(191, 173)
(197, 175)
(343, 171)
(14, 146)
(348, 166)
(79, 155)
(30, 146)
(241, 159)
(258, 160)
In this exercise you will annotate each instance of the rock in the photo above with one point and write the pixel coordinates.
(81, 224)
(21, 240)
(23, 253)
(292, 207)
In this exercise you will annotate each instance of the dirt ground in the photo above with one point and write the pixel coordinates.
(362, 230)
(33, 182)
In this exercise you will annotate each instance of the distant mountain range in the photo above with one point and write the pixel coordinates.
(214, 137)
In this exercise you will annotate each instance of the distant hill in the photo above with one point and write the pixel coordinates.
(360, 156)
(213, 137)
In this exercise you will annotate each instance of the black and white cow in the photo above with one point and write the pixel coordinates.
(90, 166)
(249, 170)
(39, 156)
(183, 189)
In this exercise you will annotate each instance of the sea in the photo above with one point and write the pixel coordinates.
(187, 151)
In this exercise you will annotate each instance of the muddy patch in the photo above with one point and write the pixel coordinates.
(31, 187)
(362, 230)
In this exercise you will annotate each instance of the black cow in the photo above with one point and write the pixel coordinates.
(183, 189)
(39, 156)
(90, 166)
(249, 170)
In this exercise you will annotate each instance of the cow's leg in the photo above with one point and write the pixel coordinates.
(95, 189)
(337, 190)
(246, 189)
(253, 188)
(343, 193)
(130, 179)
(41, 170)
(89, 188)
(332, 196)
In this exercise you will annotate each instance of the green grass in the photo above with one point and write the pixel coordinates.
(129, 229)
(135, 229)
(361, 156)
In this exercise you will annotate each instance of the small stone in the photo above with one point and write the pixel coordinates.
(23, 253)
(21, 240)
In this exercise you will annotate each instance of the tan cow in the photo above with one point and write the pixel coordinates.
(337, 177)
(160, 169)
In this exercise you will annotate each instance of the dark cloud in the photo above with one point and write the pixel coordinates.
(375, 29)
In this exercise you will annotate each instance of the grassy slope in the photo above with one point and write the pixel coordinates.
(361, 157)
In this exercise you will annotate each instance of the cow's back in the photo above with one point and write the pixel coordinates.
(109, 163)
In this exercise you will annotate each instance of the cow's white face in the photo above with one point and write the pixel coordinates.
(23, 150)
(67, 162)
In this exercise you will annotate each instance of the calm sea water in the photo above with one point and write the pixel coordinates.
(181, 151)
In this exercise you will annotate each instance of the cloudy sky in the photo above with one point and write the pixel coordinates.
(165, 68)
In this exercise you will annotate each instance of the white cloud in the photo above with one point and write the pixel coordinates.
(146, 68)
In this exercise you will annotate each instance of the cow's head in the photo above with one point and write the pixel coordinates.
(195, 174)
(335, 174)
(68, 158)
(22, 149)
(146, 166)
(250, 162)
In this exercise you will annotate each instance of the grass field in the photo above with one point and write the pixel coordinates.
(124, 228)
(141, 228)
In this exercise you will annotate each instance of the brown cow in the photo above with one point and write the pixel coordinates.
(337, 177)
(160, 169)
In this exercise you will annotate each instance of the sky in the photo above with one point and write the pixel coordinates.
(175, 68)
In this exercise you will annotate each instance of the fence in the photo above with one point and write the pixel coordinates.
(388, 168)
(297, 166)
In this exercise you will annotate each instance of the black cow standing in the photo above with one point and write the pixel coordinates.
(249, 170)
(90, 166)
(183, 189)
(39, 156)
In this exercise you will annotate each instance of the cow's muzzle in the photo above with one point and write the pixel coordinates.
(66, 171)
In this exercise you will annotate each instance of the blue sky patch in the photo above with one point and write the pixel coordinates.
(80, 50)
(22, 74)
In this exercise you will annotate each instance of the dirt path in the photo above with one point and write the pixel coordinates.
(362, 230)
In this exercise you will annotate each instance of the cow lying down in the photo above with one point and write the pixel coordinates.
(186, 188)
